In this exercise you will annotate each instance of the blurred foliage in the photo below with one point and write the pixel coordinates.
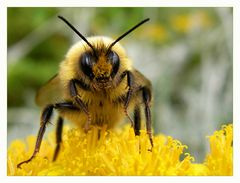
(26, 19)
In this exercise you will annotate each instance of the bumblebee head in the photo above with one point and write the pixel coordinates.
(101, 64)
(102, 57)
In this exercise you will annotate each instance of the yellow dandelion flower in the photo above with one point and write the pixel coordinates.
(188, 22)
(219, 160)
(181, 23)
(105, 152)
(156, 32)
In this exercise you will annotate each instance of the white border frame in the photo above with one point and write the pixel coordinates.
(4, 4)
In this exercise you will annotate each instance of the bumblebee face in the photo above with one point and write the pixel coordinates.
(102, 67)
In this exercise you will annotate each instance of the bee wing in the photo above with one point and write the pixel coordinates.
(141, 79)
(50, 93)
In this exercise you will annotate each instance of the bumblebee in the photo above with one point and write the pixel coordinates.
(96, 85)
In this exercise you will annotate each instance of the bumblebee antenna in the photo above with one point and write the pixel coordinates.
(78, 33)
(126, 33)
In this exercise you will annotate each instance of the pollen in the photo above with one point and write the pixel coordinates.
(119, 152)
(102, 68)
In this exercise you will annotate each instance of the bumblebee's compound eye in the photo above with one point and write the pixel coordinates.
(87, 61)
(114, 60)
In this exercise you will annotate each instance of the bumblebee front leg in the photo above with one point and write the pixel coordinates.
(77, 99)
(130, 82)
(46, 115)
(58, 137)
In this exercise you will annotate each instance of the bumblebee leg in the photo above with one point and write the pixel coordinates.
(130, 81)
(137, 120)
(58, 137)
(146, 94)
(82, 85)
(65, 106)
(77, 98)
(61, 106)
(46, 115)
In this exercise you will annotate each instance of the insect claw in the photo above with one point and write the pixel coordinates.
(150, 139)
(86, 128)
(20, 164)
(150, 150)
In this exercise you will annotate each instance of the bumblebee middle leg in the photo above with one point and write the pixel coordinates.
(146, 98)
(146, 95)
(137, 120)
(45, 118)
(58, 137)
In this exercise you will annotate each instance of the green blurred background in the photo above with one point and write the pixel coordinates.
(185, 52)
